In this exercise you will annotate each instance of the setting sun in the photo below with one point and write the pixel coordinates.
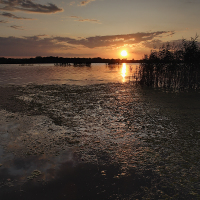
(124, 53)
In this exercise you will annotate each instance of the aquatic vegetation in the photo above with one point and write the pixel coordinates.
(34, 174)
(116, 140)
(174, 67)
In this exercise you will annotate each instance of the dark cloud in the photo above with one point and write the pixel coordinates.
(28, 6)
(39, 45)
(153, 44)
(5, 14)
(2, 21)
(83, 3)
(17, 27)
(156, 44)
(80, 19)
(44, 45)
(114, 40)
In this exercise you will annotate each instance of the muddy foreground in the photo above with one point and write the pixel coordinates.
(108, 141)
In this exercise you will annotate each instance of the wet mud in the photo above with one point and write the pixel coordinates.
(105, 141)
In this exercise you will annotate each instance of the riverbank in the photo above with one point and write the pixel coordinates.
(105, 141)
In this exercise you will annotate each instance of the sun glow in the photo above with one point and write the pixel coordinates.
(124, 53)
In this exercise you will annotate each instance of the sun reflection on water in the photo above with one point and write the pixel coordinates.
(124, 71)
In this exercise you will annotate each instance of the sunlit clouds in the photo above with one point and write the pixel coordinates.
(112, 40)
(51, 45)
(83, 3)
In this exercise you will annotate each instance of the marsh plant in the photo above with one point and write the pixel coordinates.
(172, 66)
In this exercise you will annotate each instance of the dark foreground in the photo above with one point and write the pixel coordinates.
(109, 141)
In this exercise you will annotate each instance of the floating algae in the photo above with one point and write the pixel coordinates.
(34, 175)
(106, 125)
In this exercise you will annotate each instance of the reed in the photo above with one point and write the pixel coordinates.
(172, 66)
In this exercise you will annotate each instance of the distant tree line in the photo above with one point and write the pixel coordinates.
(172, 66)
(52, 59)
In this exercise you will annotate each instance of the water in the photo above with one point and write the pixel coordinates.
(50, 74)
(65, 137)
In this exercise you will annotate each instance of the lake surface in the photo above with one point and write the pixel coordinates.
(76, 133)
(80, 75)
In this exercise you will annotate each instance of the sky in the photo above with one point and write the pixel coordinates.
(94, 28)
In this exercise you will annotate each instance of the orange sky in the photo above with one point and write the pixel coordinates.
(94, 28)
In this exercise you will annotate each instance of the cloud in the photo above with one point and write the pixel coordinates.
(83, 3)
(114, 40)
(74, 16)
(43, 45)
(29, 6)
(156, 44)
(5, 14)
(17, 27)
(80, 19)
(38, 45)
(2, 21)
(153, 44)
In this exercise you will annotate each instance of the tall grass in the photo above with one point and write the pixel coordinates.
(172, 66)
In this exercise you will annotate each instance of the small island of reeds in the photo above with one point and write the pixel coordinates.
(173, 66)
